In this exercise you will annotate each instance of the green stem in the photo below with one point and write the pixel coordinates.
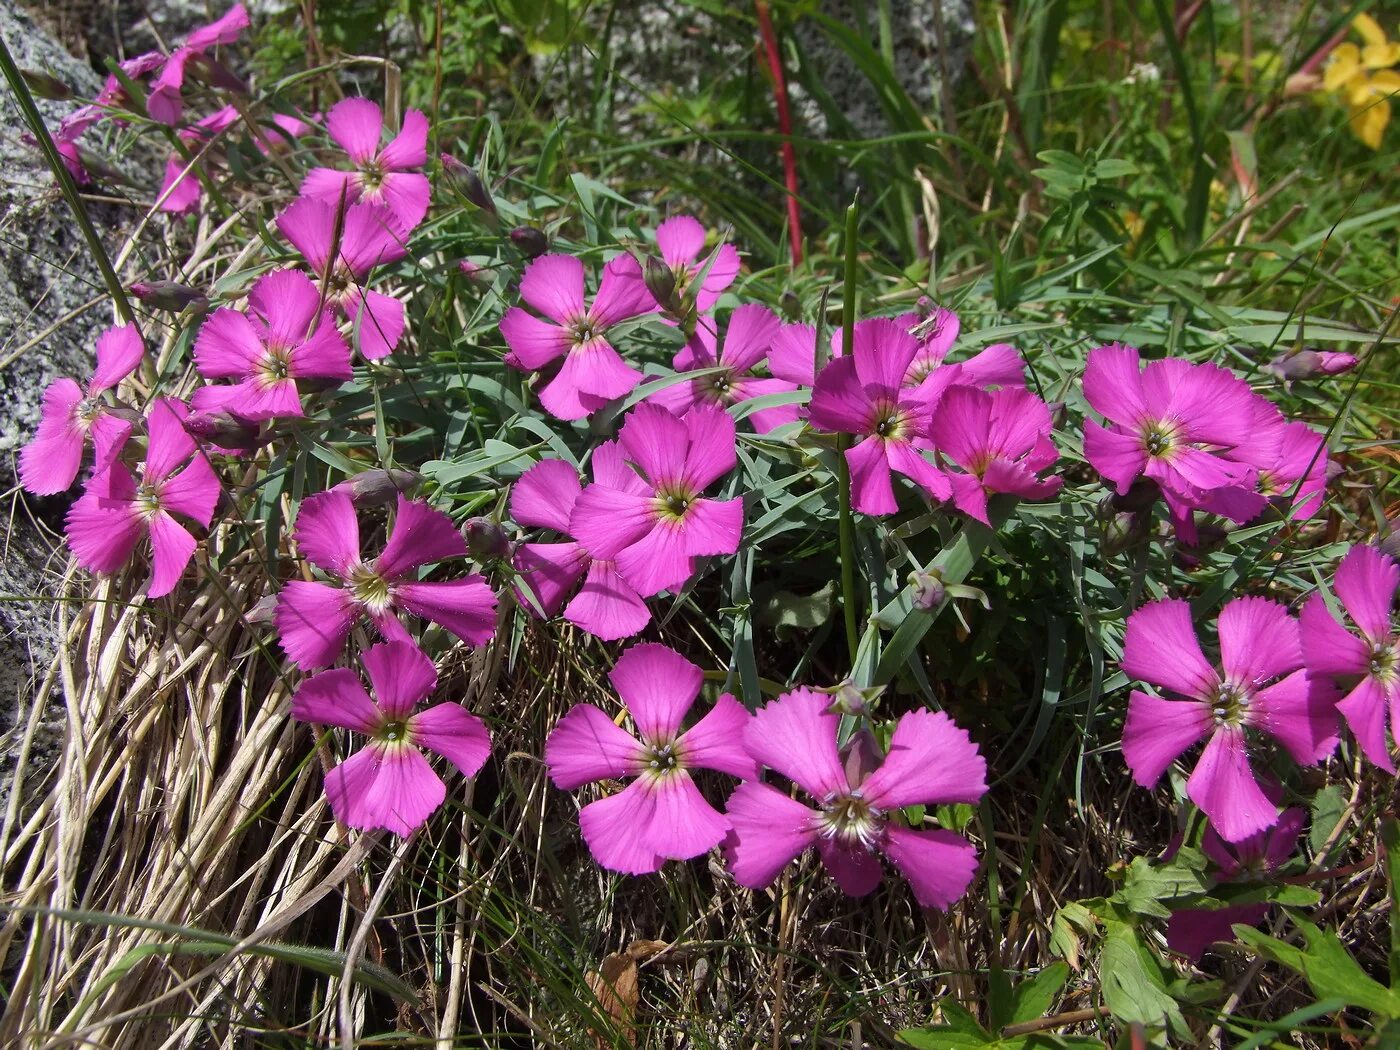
(843, 471)
(66, 185)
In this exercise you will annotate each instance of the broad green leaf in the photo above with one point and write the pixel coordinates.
(1033, 998)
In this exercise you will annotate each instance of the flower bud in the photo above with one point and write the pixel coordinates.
(529, 241)
(46, 85)
(378, 486)
(929, 590)
(224, 429)
(1301, 83)
(467, 183)
(860, 757)
(661, 283)
(473, 272)
(167, 295)
(1390, 542)
(1141, 496)
(214, 73)
(925, 308)
(1305, 364)
(1123, 531)
(486, 540)
(791, 305)
(847, 698)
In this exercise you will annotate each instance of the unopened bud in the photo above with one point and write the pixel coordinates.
(1123, 531)
(1142, 495)
(929, 590)
(167, 295)
(473, 272)
(224, 429)
(1058, 413)
(847, 698)
(1390, 542)
(529, 241)
(661, 283)
(263, 611)
(860, 757)
(925, 307)
(1301, 83)
(486, 540)
(791, 305)
(379, 485)
(1305, 364)
(46, 85)
(467, 183)
(214, 73)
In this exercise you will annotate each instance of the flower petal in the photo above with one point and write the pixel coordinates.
(1258, 640)
(586, 746)
(119, 351)
(856, 870)
(102, 526)
(466, 607)
(657, 562)
(288, 302)
(710, 450)
(392, 788)
(769, 830)
(1160, 647)
(550, 571)
(717, 741)
(1364, 708)
(455, 734)
(939, 865)
(713, 527)
(409, 148)
(400, 674)
(328, 532)
(335, 698)
(795, 735)
(658, 685)
(378, 321)
(355, 124)
(607, 606)
(1157, 731)
(553, 285)
(681, 239)
(930, 761)
(314, 620)
(227, 346)
(606, 520)
(421, 534)
(194, 492)
(872, 488)
(545, 495)
(172, 548)
(1300, 713)
(1365, 582)
(533, 342)
(1225, 788)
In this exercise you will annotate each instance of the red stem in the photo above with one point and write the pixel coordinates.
(780, 95)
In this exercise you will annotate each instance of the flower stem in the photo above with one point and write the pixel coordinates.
(843, 471)
(66, 185)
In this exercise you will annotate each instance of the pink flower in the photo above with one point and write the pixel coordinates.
(998, 365)
(930, 762)
(864, 394)
(164, 101)
(383, 174)
(315, 618)
(72, 414)
(1001, 441)
(388, 783)
(1289, 461)
(606, 606)
(653, 534)
(370, 237)
(661, 815)
(792, 355)
(1263, 688)
(744, 347)
(1367, 661)
(1173, 422)
(1191, 931)
(592, 373)
(117, 510)
(180, 192)
(682, 241)
(287, 339)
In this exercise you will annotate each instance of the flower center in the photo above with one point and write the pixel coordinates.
(661, 759)
(394, 731)
(673, 504)
(1384, 663)
(1230, 704)
(88, 409)
(276, 365)
(1159, 438)
(369, 589)
(372, 175)
(852, 820)
(147, 500)
(889, 423)
(584, 331)
(721, 387)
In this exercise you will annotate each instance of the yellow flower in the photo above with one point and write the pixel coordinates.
(1369, 105)
(1378, 53)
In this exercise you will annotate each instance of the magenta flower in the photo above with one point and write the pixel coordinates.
(864, 394)
(592, 373)
(315, 618)
(930, 762)
(1367, 662)
(653, 534)
(1191, 931)
(287, 338)
(792, 354)
(1263, 688)
(998, 365)
(1173, 422)
(73, 414)
(116, 510)
(606, 606)
(682, 242)
(661, 815)
(180, 191)
(370, 237)
(385, 175)
(388, 783)
(1289, 461)
(1001, 440)
(744, 347)
(164, 101)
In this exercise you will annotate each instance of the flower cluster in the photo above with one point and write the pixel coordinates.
(858, 795)
(1365, 79)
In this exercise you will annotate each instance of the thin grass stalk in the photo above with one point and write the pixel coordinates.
(843, 481)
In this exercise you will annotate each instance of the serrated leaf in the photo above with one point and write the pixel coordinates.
(1033, 998)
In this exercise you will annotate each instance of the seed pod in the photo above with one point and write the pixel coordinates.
(46, 85)
(224, 429)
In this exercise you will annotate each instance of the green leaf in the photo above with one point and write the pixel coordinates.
(802, 612)
(1033, 998)
(1328, 805)
(1132, 983)
(1390, 838)
(1149, 883)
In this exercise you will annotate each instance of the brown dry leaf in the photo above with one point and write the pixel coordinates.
(642, 950)
(615, 985)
